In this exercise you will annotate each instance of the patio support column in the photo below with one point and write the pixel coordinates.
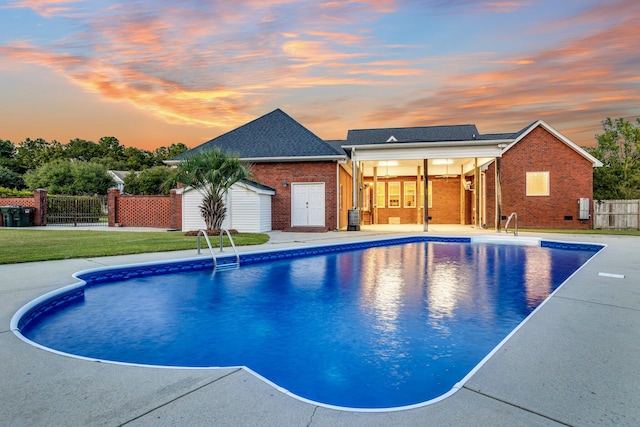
(425, 220)
(462, 196)
(417, 195)
(498, 190)
(374, 220)
(477, 190)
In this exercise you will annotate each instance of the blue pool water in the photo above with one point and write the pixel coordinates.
(378, 327)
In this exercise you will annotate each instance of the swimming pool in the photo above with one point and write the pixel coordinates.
(375, 325)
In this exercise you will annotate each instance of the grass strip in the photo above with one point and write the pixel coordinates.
(29, 245)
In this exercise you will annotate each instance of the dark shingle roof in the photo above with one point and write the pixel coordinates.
(412, 134)
(274, 135)
(336, 143)
(257, 185)
(511, 136)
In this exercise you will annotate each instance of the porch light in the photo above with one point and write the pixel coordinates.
(442, 162)
(285, 183)
(388, 163)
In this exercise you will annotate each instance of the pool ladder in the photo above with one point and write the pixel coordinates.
(225, 266)
(506, 226)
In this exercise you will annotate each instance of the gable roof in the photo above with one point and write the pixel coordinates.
(274, 136)
(411, 134)
(527, 130)
(118, 176)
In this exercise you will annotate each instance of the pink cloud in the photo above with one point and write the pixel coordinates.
(45, 7)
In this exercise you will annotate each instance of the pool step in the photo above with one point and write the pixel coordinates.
(228, 266)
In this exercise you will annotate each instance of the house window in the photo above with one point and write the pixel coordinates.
(537, 183)
(394, 194)
(380, 195)
(410, 194)
(429, 194)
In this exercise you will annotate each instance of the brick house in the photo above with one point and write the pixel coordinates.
(379, 174)
(307, 174)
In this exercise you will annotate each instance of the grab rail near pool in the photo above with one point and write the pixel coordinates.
(213, 255)
(506, 227)
(233, 245)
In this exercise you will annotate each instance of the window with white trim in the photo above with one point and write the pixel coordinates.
(410, 194)
(380, 195)
(537, 183)
(394, 194)
(429, 194)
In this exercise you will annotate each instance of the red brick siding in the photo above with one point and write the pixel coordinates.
(274, 174)
(145, 211)
(570, 178)
(446, 202)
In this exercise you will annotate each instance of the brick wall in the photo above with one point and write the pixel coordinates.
(570, 178)
(274, 175)
(38, 202)
(446, 202)
(145, 211)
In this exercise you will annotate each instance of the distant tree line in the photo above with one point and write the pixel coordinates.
(80, 166)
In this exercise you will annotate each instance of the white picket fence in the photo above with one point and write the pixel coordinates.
(616, 214)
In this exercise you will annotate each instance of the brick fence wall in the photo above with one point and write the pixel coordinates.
(38, 202)
(125, 211)
(145, 211)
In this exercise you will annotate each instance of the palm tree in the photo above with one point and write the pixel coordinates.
(212, 173)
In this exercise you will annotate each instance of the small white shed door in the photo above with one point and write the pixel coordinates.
(307, 204)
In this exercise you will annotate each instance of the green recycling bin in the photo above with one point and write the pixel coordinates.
(7, 215)
(16, 216)
(22, 216)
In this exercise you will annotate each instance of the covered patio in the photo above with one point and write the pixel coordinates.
(389, 185)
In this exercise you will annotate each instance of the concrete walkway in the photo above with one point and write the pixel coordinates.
(576, 362)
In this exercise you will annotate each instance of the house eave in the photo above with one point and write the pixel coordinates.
(423, 144)
(294, 159)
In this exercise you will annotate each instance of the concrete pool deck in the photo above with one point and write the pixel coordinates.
(575, 362)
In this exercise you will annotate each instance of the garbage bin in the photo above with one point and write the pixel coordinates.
(16, 216)
(354, 220)
(22, 216)
(7, 215)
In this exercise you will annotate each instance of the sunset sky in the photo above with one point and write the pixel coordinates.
(153, 73)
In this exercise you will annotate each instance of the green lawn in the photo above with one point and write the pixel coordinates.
(27, 245)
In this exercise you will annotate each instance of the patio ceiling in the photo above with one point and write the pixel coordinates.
(393, 168)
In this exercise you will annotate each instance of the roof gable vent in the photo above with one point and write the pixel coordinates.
(392, 139)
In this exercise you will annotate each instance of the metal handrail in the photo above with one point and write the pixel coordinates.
(506, 226)
(204, 233)
(233, 245)
(213, 255)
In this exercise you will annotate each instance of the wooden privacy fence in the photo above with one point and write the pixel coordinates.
(616, 214)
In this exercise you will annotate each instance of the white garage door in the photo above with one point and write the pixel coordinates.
(307, 204)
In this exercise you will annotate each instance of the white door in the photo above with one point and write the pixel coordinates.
(307, 204)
